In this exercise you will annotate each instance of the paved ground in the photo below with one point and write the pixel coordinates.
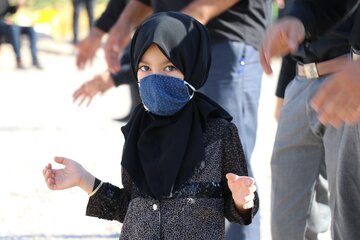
(38, 121)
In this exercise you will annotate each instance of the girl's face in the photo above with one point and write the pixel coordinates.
(154, 62)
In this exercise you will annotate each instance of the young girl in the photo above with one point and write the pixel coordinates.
(183, 168)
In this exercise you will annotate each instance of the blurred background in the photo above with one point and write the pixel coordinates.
(53, 18)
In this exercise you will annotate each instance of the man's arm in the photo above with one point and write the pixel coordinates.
(111, 14)
(205, 10)
(120, 34)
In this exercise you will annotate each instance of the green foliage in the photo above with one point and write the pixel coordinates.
(38, 4)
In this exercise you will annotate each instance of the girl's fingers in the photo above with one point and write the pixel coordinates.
(248, 205)
(61, 160)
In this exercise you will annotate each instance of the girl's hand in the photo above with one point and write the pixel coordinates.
(242, 189)
(73, 174)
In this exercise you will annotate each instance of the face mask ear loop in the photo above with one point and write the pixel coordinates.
(192, 89)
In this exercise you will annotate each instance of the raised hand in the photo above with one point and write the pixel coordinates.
(98, 85)
(242, 189)
(280, 39)
(87, 48)
(114, 46)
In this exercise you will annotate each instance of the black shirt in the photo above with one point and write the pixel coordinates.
(318, 16)
(109, 17)
(333, 44)
(244, 22)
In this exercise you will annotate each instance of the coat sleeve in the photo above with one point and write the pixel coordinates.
(234, 162)
(110, 202)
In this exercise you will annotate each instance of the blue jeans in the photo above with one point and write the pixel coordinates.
(234, 82)
(32, 36)
(12, 35)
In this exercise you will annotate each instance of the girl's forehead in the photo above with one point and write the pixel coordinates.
(154, 54)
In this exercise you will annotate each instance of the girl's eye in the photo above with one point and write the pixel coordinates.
(144, 68)
(170, 68)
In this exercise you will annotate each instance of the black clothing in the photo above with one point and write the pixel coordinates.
(288, 64)
(125, 75)
(182, 39)
(197, 210)
(111, 14)
(161, 153)
(243, 22)
(331, 45)
(6, 8)
(286, 75)
(355, 32)
(89, 4)
(319, 16)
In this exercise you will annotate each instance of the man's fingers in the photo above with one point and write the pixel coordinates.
(265, 63)
(320, 97)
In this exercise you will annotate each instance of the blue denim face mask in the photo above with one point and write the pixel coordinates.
(163, 95)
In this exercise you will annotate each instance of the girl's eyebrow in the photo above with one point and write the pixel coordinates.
(144, 62)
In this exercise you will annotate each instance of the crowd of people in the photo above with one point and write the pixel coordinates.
(194, 69)
(11, 32)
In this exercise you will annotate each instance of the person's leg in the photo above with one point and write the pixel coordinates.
(295, 165)
(320, 214)
(76, 13)
(30, 32)
(234, 82)
(12, 35)
(342, 148)
(90, 11)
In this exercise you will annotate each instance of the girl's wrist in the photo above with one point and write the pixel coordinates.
(87, 182)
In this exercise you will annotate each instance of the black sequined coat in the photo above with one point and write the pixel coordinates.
(196, 211)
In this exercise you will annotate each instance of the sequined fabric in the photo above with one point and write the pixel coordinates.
(196, 211)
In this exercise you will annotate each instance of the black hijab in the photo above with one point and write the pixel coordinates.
(161, 153)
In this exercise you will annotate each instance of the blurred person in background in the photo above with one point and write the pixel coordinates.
(11, 33)
(102, 82)
(311, 129)
(77, 4)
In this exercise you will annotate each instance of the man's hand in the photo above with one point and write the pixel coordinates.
(120, 34)
(280, 39)
(338, 100)
(98, 85)
(87, 48)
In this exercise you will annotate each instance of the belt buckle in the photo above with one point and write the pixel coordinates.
(310, 70)
(355, 56)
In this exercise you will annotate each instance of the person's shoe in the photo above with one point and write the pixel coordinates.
(20, 65)
(37, 65)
